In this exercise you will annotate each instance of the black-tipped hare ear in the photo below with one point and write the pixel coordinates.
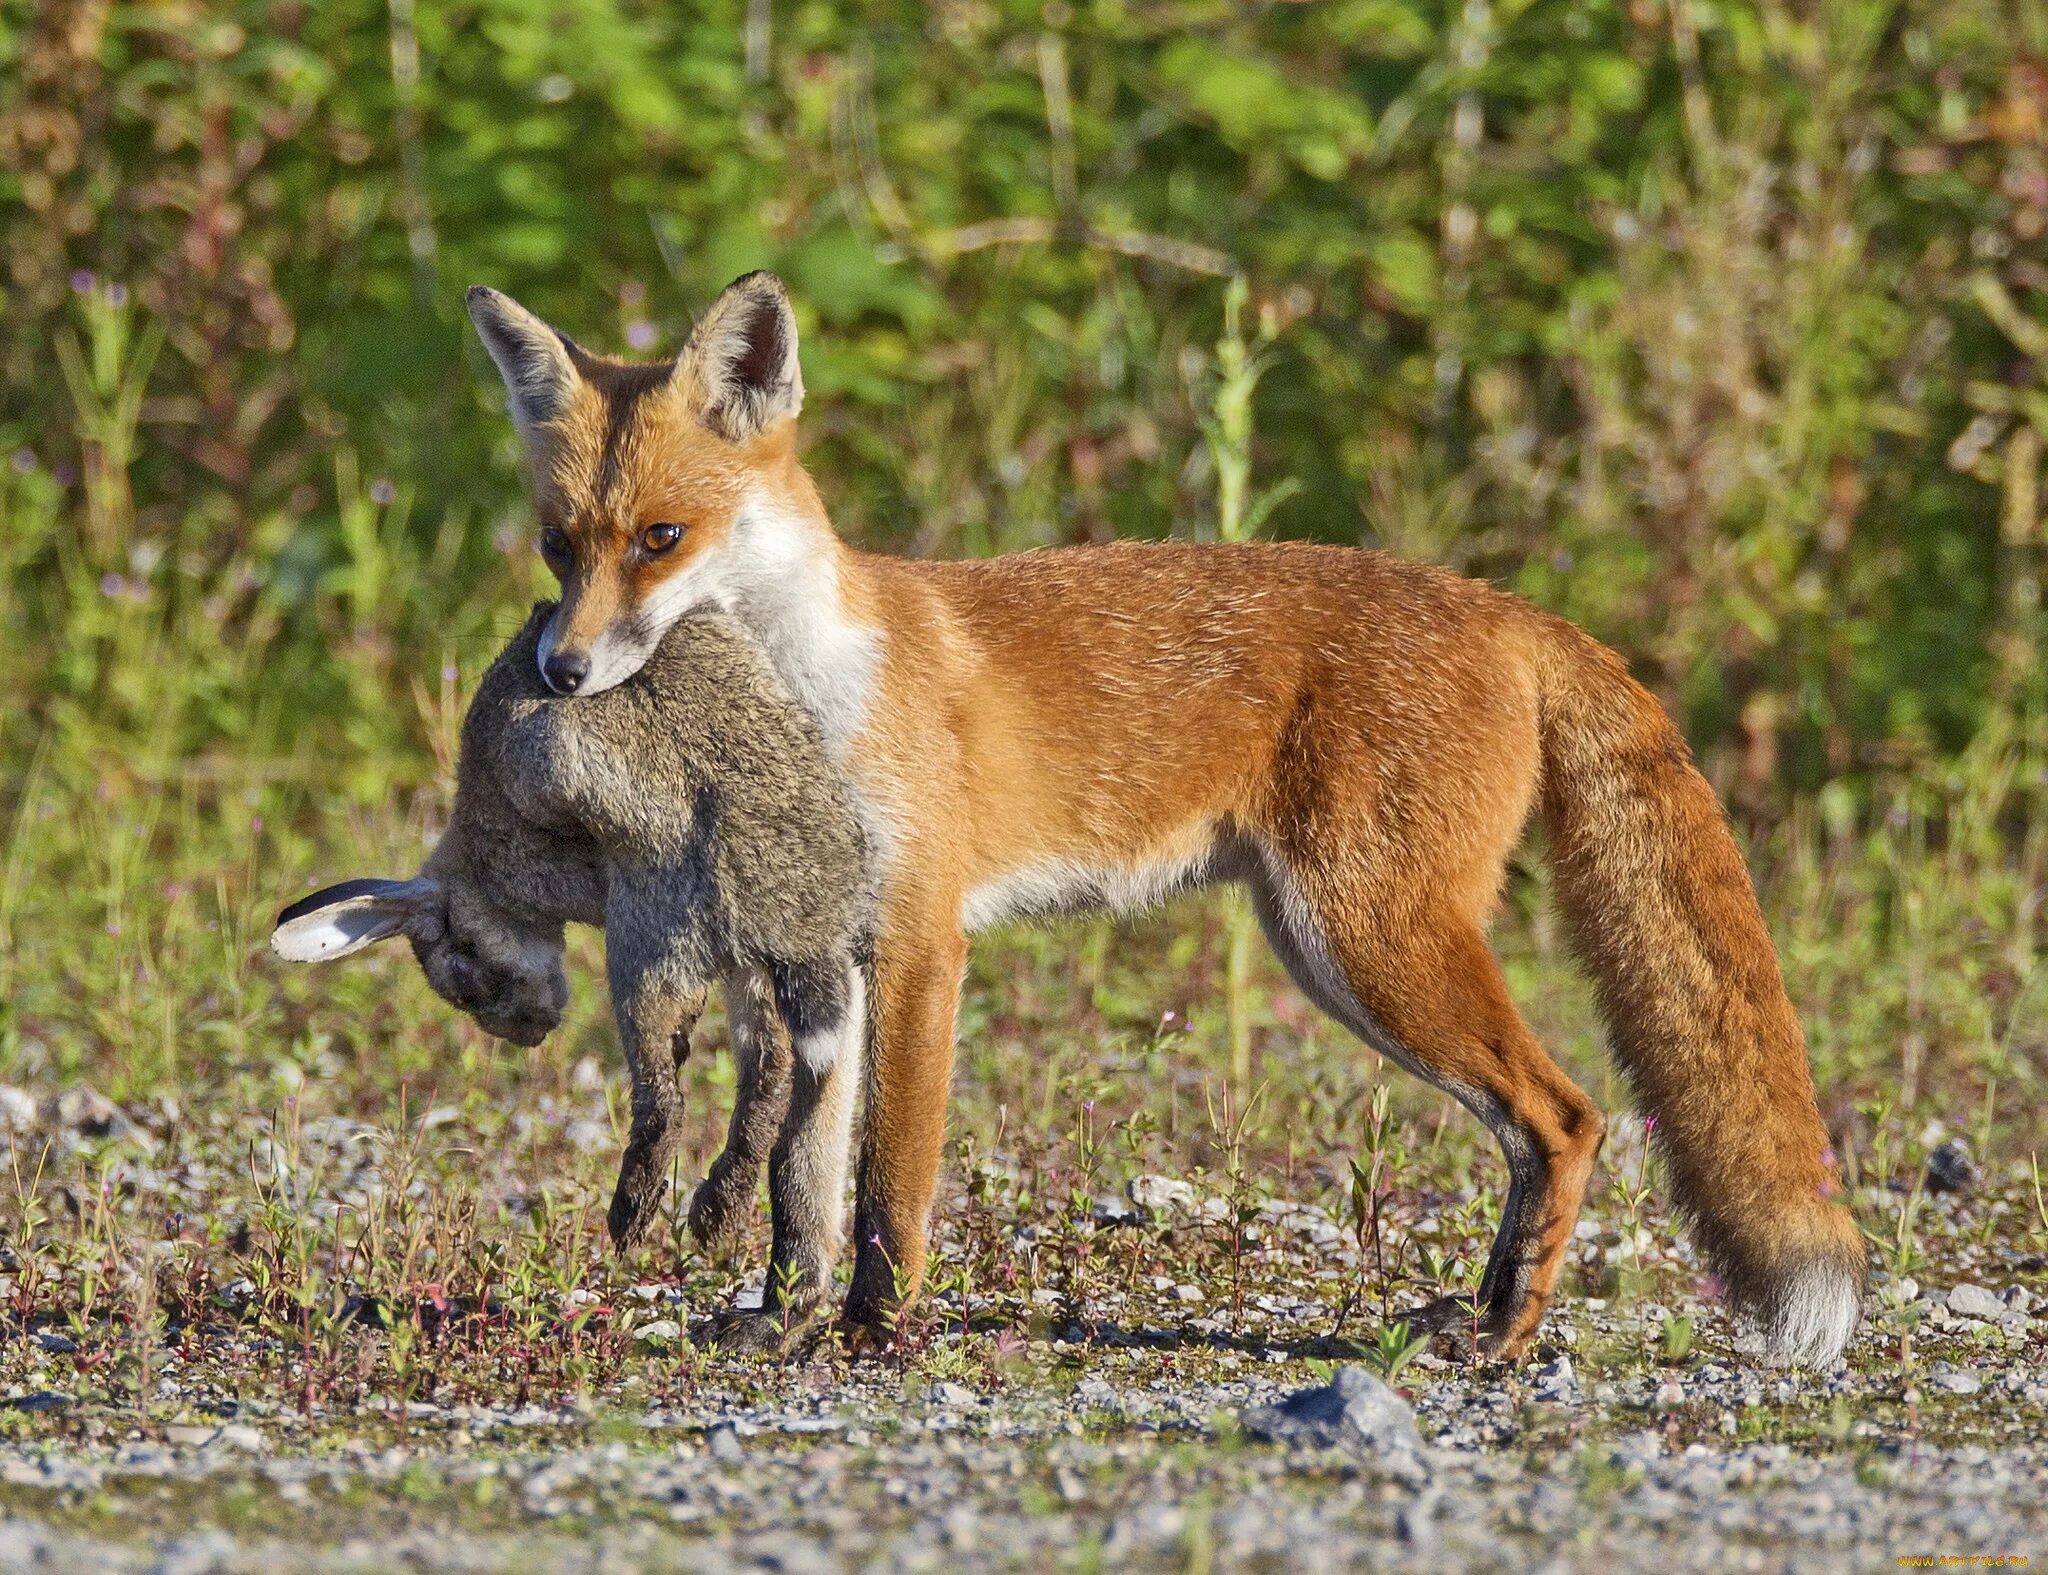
(536, 361)
(346, 918)
(740, 368)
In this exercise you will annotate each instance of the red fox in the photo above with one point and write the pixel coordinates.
(1359, 740)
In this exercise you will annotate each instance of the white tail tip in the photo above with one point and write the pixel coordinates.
(1813, 1316)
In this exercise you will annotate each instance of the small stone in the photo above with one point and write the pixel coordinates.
(1974, 1301)
(91, 1114)
(1354, 1409)
(724, 1443)
(1556, 1380)
(237, 1438)
(1958, 1383)
(17, 1109)
(40, 1400)
(661, 1333)
(949, 1394)
(56, 1344)
(1161, 1194)
(1950, 1168)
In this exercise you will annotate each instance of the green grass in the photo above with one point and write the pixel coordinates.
(326, 1190)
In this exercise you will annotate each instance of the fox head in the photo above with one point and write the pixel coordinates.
(660, 488)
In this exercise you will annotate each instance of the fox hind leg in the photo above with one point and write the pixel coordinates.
(1422, 988)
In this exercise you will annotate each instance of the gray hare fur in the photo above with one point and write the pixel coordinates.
(694, 814)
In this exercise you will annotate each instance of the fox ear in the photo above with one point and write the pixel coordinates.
(346, 918)
(534, 359)
(740, 368)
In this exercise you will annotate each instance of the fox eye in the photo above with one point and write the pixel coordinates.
(554, 542)
(659, 538)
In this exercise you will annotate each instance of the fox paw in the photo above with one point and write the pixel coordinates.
(867, 1339)
(1466, 1331)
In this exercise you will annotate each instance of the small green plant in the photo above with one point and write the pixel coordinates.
(1231, 1127)
(1394, 1346)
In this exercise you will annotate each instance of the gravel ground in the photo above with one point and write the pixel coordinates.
(1111, 1407)
(1128, 1455)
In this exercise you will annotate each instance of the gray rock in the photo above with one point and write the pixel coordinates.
(17, 1109)
(1556, 1380)
(1161, 1194)
(724, 1443)
(660, 1333)
(237, 1438)
(1354, 1410)
(89, 1112)
(1974, 1301)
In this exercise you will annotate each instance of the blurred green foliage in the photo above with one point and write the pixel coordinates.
(1720, 325)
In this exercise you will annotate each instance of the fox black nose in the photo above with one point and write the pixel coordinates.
(565, 671)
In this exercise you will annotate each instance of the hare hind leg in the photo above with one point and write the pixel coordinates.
(655, 1022)
(1422, 988)
(762, 1059)
(807, 1171)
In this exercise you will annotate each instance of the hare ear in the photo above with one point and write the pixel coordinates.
(346, 918)
(536, 361)
(740, 369)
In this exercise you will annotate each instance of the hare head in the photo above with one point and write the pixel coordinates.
(506, 975)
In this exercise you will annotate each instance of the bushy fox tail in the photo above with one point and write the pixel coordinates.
(1662, 912)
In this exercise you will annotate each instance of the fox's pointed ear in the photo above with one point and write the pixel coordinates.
(536, 361)
(346, 918)
(740, 369)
